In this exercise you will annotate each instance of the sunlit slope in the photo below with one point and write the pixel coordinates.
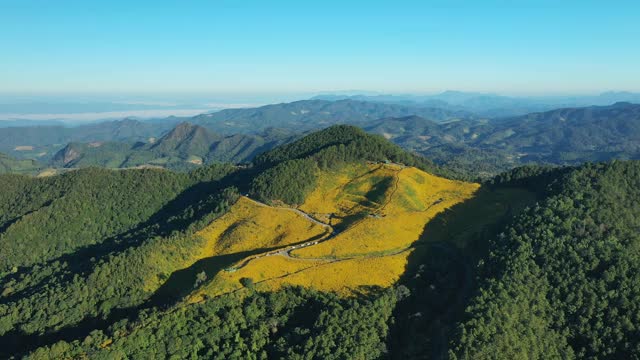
(407, 201)
(251, 226)
(344, 276)
(376, 212)
(344, 196)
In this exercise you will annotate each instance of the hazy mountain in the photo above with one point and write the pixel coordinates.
(314, 114)
(184, 147)
(25, 123)
(28, 141)
(11, 165)
(561, 136)
(492, 105)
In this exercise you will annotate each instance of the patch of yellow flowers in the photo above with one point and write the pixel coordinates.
(371, 251)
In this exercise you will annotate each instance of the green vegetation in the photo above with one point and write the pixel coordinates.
(122, 227)
(184, 148)
(293, 323)
(16, 166)
(45, 218)
(542, 262)
(562, 279)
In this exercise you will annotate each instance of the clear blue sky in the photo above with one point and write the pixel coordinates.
(511, 47)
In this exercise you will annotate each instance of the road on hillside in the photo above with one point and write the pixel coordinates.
(286, 251)
(297, 211)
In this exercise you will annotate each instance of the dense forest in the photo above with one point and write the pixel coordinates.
(541, 263)
(562, 279)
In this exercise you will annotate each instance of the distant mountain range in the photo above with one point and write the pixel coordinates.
(456, 138)
(315, 114)
(491, 105)
(184, 147)
(42, 142)
(561, 136)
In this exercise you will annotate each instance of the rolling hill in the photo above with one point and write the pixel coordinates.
(11, 165)
(44, 141)
(337, 245)
(184, 147)
(562, 136)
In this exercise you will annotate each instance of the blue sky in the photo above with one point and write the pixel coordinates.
(235, 46)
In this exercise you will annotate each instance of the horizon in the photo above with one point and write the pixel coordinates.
(83, 108)
(284, 49)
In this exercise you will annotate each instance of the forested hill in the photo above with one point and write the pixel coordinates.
(290, 171)
(185, 147)
(562, 279)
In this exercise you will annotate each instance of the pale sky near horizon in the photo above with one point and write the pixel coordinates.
(235, 46)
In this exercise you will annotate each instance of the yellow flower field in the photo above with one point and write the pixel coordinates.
(264, 268)
(250, 226)
(352, 190)
(247, 226)
(377, 210)
(347, 276)
(417, 199)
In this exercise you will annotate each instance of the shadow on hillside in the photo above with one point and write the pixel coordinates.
(373, 199)
(83, 261)
(183, 282)
(161, 224)
(442, 271)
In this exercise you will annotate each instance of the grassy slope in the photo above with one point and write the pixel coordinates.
(377, 211)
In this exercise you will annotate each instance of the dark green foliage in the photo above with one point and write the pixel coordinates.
(342, 143)
(564, 277)
(289, 181)
(247, 282)
(293, 323)
(64, 289)
(54, 216)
